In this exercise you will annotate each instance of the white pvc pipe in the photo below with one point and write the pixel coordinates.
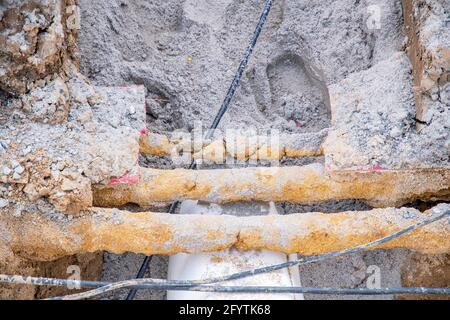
(203, 266)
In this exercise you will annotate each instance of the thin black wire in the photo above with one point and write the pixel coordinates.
(200, 285)
(241, 69)
(141, 274)
(223, 109)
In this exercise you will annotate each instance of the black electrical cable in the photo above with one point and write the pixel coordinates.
(148, 284)
(141, 274)
(223, 109)
(241, 69)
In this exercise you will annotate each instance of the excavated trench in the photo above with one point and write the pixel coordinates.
(333, 78)
(185, 59)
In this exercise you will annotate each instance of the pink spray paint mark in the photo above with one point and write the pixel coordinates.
(128, 178)
(376, 168)
(144, 132)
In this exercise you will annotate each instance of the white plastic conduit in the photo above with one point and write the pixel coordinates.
(203, 266)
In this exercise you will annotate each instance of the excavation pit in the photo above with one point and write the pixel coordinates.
(369, 115)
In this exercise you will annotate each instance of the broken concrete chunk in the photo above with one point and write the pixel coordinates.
(117, 103)
(3, 203)
(6, 171)
(48, 104)
(427, 26)
(374, 125)
(19, 170)
(34, 42)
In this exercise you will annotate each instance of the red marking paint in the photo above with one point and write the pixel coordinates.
(128, 178)
(298, 124)
(144, 132)
(376, 168)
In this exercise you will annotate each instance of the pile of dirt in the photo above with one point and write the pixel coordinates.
(186, 53)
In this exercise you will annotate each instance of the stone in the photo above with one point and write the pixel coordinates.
(3, 203)
(6, 171)
(19, 170)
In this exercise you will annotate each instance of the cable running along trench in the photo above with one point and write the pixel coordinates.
(223, 109)
(154, 284)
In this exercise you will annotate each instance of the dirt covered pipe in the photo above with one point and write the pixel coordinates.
(282, 184)
(236, 146)
(43, 237)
